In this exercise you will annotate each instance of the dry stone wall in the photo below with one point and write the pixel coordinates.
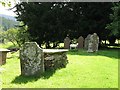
(55, 60)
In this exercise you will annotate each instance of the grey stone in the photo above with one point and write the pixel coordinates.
(93, 43)
(80, 42)
(54, 58)
(67, 43)
(31, 59)
(96, 42)
(90, 44)
(86, 42)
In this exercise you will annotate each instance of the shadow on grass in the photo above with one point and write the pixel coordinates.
(108, 52)
(25, 79)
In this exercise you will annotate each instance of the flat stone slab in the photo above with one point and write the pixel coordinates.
(3, 54)
(54, 50)
(4, 50)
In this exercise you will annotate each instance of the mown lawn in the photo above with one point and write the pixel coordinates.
(84, 70)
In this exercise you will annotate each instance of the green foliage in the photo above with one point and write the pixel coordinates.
(52, 22)
(7, 23)
(5, 2)
(17, 36)
(11, 35)
(115, 17)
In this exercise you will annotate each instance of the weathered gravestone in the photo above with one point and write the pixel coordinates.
(90, 44)
(31, 59)
(93, 43)
(96, 42)
(67, 43)
(80, 42)
(87, 41)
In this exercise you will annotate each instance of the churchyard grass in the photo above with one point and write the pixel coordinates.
(84, 70)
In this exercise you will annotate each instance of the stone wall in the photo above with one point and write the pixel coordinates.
(55, 60)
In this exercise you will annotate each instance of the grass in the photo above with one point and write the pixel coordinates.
(84, 70)
(7, 45)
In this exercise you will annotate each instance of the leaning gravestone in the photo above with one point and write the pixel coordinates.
(80, 42)
(31, 59)
(93, 43)
(87, 41)
(67, 43)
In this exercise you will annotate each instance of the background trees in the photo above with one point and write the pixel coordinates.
(114, 25)
(52, 22)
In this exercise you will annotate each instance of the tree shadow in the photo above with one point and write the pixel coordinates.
(25, 79)
(108, 52)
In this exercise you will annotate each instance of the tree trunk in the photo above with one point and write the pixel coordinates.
(47, 45)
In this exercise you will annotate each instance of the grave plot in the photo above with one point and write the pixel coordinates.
(35, 60)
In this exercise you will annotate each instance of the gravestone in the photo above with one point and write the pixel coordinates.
(67, 43)
(96, 42)
(80, 42)
(90, 44)
(31, 59)
(93, 43)
(87, 41)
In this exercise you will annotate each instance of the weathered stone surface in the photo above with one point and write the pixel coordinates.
(87, 41)
(96, 42)
(31, 59)
(80, 42)
(54, 59)
(90, 44)
(3, 55)
(93, 43)
(67, 43)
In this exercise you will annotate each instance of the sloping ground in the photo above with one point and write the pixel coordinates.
(84, 70)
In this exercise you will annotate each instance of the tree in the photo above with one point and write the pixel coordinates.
(114, 25)
(52, 22)
(17, 36)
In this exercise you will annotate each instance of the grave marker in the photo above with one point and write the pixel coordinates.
(67, 43)
(80, 42)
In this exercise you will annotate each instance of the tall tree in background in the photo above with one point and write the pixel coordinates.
(52, 22)
(114, 25)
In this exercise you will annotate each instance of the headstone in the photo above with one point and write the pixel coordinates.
(87, 41)
(80, 42)
(31, 59)
(90, 44)
(67, 43)
(93, 43)
(96, 42)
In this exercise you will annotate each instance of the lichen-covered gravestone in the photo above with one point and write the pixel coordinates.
(93, 43)
(31, 59)
(80, 42)
(87, 41)
(67, 43)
